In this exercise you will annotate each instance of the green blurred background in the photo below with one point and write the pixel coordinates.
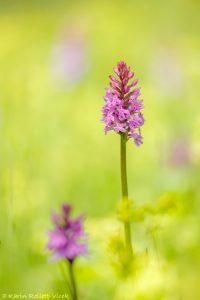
(55, 58)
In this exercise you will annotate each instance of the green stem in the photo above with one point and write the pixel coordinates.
(73, 282)
(127, 226)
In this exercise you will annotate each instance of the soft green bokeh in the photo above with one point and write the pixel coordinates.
(53, 148)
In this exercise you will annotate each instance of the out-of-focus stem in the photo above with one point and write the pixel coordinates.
(73, 282)
(127, 225)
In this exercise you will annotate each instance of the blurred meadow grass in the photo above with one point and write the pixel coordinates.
(53, 148)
